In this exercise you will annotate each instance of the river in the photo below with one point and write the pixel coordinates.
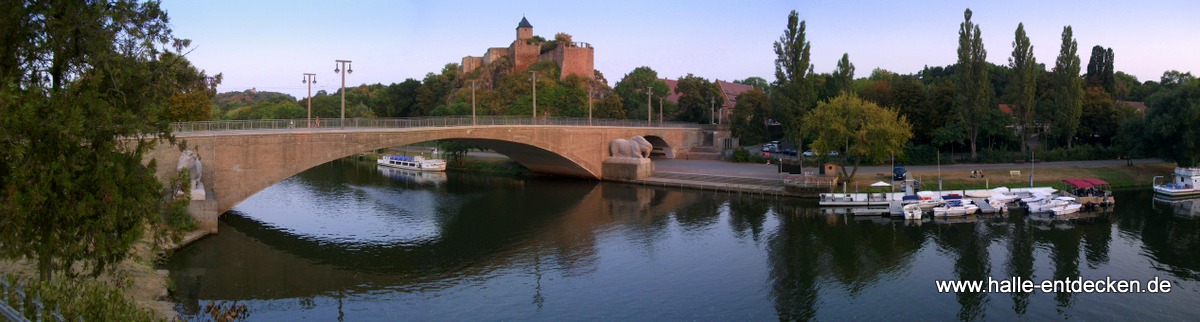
(350, 241)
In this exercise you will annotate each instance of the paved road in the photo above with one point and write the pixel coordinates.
(758, 170)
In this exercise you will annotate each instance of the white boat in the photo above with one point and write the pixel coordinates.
(1184, 182)
(952, 208)
(417, 163)
(913, 212)
(1048, 205)
(1067, 209)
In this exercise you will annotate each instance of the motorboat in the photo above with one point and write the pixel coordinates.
(1048, 205)
(1185, 182)
(955, 207)
(418, 163)
(1067, 209)
(913, 212)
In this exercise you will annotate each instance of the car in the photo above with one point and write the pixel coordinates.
(809, 153)
(767, 147)
(833, 153)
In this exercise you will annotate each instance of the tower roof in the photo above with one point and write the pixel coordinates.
(524, 24)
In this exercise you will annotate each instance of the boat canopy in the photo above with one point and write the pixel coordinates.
(1084, 183)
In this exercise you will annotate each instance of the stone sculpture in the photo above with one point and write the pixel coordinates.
(188, 159)
(636, 148)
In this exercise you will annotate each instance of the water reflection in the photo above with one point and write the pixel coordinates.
(345, 240)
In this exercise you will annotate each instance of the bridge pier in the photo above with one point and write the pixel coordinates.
(622, 169)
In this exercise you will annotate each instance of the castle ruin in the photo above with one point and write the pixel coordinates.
(573, 58)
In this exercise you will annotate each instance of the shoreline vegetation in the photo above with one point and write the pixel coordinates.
(1122, 177)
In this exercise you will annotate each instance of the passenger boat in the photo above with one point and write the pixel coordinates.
(1090, 191)
(957, 207)
(417, 163)
(1185, 182)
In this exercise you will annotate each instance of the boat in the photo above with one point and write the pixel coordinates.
(1048, 205)
(913, 212)
(1090, 191)
(414, 176)
(1067, 209)
(957, 207)
(418, 163)
(1185, 182)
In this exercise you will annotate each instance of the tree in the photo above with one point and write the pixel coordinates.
(1169, 131)
(843, 76)
(697, 97)
(83, 91)
(1022, 95)
(859, 129)
(632, 90)
(971, 81)
(1068, 98)
(758, 82)
(1100, 69)
(749, 121)
(792, 93)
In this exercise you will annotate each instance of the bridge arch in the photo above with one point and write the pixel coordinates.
(238, 164)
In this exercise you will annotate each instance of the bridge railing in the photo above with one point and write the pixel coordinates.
(413, 122)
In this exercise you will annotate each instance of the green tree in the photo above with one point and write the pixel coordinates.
(1100, 69)
(758, 82)
(82, 94)
(843, 76)
(1068, 95)
(792, 93)
(697, 97)
(971, 81)
(749, 121)
(632, 91)
(1169, 129)
(859, 129)
(1022, 95)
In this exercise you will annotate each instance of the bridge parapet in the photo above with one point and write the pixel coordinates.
(414, 122)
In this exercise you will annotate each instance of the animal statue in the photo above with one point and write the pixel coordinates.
(188, 159)
(636, 147)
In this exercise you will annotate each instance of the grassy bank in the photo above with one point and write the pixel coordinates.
(1121, 177)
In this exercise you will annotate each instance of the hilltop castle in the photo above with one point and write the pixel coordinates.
(573, 58)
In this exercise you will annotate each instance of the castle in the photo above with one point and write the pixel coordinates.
(573, 58)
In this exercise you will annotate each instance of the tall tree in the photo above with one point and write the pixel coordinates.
(843, 76)
(697, 97)
(793, 92)
(1169, 131)
(632, 90)
(859, 129)
(750, 117)
(973, 90)
(1022, 94)
(1068, 98)
(1100, 69)
(82, 94)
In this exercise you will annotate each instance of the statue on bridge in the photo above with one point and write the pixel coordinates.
(189, 160)
(634, 148)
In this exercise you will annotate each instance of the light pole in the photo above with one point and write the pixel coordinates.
(649, 107)
(349, 70)
(712, 105)
(660, 117)
(533, 80)
(591, 92)
(309, 78)
(473, 102)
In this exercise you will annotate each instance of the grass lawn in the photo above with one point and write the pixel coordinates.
(1121, 177)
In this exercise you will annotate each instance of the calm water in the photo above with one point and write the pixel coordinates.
(347, 240)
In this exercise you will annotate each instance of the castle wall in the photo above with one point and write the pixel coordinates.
(470, 64)
(494, 54)
(524, 55)
(573, 59)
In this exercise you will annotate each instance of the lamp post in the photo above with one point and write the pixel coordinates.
(473, 102)
(533, 80)
(349, 70)
(712, 108)
(649, 107)
(591, 92)
(660, 117)
(309, 78)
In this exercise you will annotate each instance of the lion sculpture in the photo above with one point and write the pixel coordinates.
(636, 147)
(188, 159)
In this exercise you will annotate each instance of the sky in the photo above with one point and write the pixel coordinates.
(268, 45)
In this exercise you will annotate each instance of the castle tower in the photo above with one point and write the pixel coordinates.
(524, 30)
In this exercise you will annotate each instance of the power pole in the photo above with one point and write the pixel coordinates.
(473, 102)
(591, 92)
(660, 116)
(349, 70)
(309, 78)
(649, 107)
(533, 80)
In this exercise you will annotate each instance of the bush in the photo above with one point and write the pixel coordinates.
(741, 155)
(82, 300)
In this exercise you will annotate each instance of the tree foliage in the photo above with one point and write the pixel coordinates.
(858, 129)
(1170, 123)
(1067, 101)
(1022, 88)
(792, 93)
(1100, 69)
(843, 76)
(971, 81)
(697, 97)
(83, 91)
(749, 121)
(632, 91)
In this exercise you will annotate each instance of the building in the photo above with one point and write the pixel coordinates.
(729, 92)
(573, 58)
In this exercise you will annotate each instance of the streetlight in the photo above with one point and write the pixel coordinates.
(349, 70)
(591, 92)
(660, 118)
(712, 108)
(649, 107)
(309, 78)
(473, 102)
(533, 80)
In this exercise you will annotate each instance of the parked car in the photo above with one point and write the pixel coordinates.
(767, 147)
(898, 172)
(809, 153)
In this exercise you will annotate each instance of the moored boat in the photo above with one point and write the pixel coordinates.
(956, 207)
(1185, 182)
(417, 163)
(913, 212)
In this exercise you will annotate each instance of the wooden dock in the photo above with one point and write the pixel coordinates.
(984, 206)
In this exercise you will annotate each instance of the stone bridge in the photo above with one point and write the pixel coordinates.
(241, 158)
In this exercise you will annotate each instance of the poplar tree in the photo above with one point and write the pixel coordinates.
(792, 92)
(1068, 99)
(82, 94)
(843, 76)
(973, 90)
(1023, 83)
